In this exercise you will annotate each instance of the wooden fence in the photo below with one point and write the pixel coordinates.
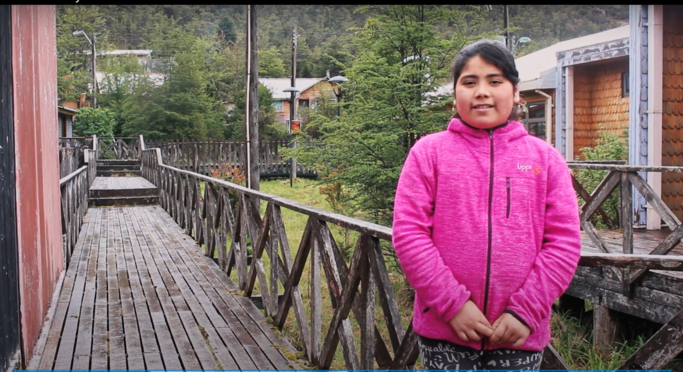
(74, 204)
(74, 153)
(210, 217)
(204, 156)
(119, 148)
(625, 178)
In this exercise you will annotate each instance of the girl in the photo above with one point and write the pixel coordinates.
(486, 226)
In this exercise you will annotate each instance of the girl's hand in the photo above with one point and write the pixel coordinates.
(470, 324)
(507, 329)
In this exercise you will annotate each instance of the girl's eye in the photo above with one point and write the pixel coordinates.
(496, 82)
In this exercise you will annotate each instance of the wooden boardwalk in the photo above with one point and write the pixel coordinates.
(121, 183)
(140, 295)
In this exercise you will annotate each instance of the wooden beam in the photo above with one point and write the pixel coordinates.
(552, 360)
(606, 327)
(661, 349)
(633, 261)
(587, 198)
(600, 194)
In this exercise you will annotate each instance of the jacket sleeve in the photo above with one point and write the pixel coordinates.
(558, 258)
(422, 264)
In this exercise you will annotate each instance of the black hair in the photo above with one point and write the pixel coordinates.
(493, 52)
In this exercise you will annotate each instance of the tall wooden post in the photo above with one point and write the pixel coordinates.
(252, 138)
(292, 108)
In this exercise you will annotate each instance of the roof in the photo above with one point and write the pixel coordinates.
(277, 85)
(537, 69)
(138, 52)
(536, 65)
(156, 78)
(66, 110)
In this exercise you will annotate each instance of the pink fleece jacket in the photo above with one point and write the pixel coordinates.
(490, 216)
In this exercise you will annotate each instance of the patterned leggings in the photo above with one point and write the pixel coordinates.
(444, 355)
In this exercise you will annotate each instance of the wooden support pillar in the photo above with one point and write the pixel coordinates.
(606, 326)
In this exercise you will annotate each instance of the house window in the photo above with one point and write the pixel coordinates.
(278, 106)
(303, 103)
(534, 120)
(625, 88)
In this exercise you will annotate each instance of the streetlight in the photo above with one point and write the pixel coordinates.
(521, 40)
(335, 81)
(94, 63)
(293, 91)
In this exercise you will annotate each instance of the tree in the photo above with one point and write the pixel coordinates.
(270, 64)
(226, 31)
(182, 107)
(400, 58)
(98, 121)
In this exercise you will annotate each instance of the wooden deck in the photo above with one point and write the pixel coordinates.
(121, 183)
(139, 295)
(657, 297)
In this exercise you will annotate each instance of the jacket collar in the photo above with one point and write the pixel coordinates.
(506, 132)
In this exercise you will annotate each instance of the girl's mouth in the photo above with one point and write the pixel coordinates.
(482, 107)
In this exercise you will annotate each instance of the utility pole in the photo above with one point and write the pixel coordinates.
(506, 21)
(94, 70)
(292, 109)
(252, 107)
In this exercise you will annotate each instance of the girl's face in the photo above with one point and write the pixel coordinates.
(484, 96)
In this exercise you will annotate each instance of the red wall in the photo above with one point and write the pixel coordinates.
(34, 66)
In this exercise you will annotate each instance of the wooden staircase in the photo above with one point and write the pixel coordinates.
(118, 168)
(119, 182)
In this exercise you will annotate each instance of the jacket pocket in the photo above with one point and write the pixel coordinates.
(507, 209)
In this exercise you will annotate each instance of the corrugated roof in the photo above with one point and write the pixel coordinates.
(277, 85)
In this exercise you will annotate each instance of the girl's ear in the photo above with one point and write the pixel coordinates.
(516, 98)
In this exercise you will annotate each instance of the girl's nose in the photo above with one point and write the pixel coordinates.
(481, 92)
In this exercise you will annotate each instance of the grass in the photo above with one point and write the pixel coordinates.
(571, 337)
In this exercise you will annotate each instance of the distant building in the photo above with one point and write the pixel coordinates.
(65, 120)
(310, 91)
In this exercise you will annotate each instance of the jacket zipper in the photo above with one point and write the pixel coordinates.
(507, 211)
(488, 255)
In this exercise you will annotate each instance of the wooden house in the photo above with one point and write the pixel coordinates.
(30, 227)
(538, 72)
(65, 120)
(311, 90)
(592, 92)
(656, 110)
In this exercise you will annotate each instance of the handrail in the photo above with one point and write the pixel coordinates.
(71, 176)
(355, 224)
(624, 168)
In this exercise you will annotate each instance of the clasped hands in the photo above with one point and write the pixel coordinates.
(470, 324)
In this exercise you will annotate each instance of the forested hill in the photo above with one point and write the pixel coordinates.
(328, 29)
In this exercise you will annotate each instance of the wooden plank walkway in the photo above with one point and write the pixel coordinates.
(139, 295)
(121, 183)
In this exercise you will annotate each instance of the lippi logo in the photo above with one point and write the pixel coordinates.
(524, 167)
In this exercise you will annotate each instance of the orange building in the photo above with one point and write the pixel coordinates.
(311, 91)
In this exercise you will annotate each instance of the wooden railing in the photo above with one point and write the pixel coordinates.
(74, 204)
(625, 178)
(76, 142)
(208, 215)
(119, 148)
(204, 156)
